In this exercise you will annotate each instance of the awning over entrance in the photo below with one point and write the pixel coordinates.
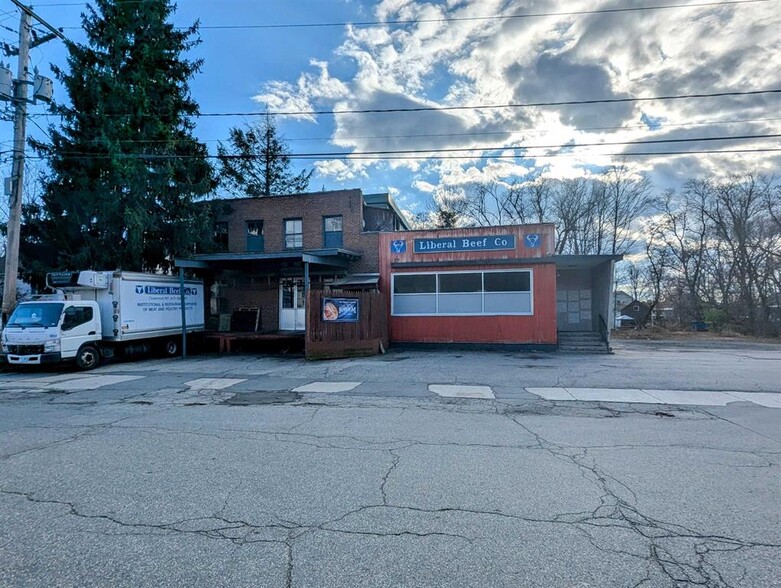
(583, 261)
(336, 258)
(357, 282)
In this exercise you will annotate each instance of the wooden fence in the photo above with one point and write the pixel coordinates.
(364, 334)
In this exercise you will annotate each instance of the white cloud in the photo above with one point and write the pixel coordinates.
(555, 58)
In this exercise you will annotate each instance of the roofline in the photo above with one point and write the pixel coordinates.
(393, 206)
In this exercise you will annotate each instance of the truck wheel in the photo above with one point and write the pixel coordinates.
(88, 357)
(171, 348)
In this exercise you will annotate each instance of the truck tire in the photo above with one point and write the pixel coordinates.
(88, 357)
(171, 347)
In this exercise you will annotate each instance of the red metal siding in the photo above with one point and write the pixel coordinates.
(539, 328)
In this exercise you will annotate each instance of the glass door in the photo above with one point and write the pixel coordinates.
(292, 305)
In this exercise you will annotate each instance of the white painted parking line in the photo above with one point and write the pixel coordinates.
(551, 393)
(40, 382)
(453, 391)
(213, 383)
(328, 387)
(683, 397)
(768, 399)
(611, 395)
(91, 382)
(698, 397)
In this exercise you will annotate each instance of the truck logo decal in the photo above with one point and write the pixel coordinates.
(165, 290)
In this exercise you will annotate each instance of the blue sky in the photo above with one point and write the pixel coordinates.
(684, 50)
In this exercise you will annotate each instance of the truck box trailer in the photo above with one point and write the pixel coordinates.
(97, 314)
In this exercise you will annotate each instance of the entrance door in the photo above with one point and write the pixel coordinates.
(292, 305)
(573, 310)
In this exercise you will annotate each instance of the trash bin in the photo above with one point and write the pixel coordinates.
(699, 326)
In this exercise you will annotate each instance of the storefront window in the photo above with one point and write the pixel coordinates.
(415, 294)
(463, 293)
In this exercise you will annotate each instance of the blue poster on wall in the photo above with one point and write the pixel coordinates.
(340, 310)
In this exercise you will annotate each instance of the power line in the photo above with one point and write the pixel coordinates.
(460, 18)
(492, 106)
(473, 106)
(347, 157)
(532, 131)
(551, 155)
(558, 146)
(416, 153)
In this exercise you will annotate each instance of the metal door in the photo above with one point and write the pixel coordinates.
(573, 310)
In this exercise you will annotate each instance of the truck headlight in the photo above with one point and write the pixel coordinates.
(4, 347)
(51, 346)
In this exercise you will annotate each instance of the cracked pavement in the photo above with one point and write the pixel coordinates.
(151, 482)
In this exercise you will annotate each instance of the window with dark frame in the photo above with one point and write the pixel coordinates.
(294, 233)
(221, 235)
(255, 239)
(332, 231)
(463, 293)
(76, 316)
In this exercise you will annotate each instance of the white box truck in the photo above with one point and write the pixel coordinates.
(97, 314)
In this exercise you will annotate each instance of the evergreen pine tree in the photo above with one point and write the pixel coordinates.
(126, 169)
(257, 163)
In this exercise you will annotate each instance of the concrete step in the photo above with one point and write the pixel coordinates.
(604, 349)
(586, 342)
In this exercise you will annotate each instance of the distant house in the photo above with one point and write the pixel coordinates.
(634, 314)
(621, 299)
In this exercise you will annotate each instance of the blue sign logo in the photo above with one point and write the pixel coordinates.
(532, 240)
(478, 243)
(139, 289)
(398, 246)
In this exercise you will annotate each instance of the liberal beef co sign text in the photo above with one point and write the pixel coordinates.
(487, 243)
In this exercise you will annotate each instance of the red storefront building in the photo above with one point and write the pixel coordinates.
(494, 286)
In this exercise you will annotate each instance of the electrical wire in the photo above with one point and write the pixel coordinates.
(475, 106)
(463, 18)
(416, 154)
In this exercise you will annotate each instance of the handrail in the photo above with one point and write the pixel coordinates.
(603, 328)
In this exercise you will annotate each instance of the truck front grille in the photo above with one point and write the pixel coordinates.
(25, 349)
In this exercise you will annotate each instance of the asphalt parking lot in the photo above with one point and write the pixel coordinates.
(409, 469)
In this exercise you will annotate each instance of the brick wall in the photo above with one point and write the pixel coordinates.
(311, 208)
(258, 286)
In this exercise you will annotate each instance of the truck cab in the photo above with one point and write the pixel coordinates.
(50, 331)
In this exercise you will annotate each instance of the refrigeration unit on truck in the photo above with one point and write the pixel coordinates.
(97, 314)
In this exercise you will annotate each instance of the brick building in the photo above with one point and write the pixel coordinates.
(275, 248)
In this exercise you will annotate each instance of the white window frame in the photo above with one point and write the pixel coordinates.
(483, 292)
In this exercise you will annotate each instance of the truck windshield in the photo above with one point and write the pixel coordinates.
(31, 314)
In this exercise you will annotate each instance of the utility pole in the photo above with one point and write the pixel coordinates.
(17, 170)
(20, 101)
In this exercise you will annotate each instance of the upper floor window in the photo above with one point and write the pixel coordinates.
(255, 239)
(332, 231)
(221, 235)
(294, 233)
